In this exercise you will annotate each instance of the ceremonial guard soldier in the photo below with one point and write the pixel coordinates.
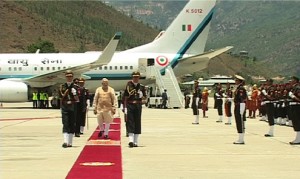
(69, 97)
(227, 105)
(197, 95)
(269, 94)
(295, 108)
(219, 101)
(240, 97)
(82, 106)
(134, 97)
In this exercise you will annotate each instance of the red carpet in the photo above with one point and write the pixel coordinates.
(100, 158)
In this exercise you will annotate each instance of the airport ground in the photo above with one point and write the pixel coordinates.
(170, 147)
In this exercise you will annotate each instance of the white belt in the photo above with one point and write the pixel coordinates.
(294, 103)
(267, 101)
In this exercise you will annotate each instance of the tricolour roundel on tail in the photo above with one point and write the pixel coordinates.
(187, 34)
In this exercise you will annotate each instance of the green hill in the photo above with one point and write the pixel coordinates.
(73, 26)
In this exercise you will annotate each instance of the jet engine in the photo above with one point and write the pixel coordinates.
(12, 91)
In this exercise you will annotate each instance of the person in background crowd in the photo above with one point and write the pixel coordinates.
(219, 101)
(253, 102)
(294, 94)
(228, 102)
(35, 99)
(205, 102)
(269, 96)
(164, 97)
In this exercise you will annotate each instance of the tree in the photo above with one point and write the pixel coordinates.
(44, 46)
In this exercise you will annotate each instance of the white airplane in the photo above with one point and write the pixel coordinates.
(181, 46)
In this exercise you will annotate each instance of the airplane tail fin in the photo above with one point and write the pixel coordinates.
(187, 34)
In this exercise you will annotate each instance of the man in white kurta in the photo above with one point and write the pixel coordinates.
(105, 103)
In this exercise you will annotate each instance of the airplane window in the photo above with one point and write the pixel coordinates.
(53, 68)
(9, 68)
(131, 67)
(58, 68)
(48, 68)
(126, 67)
(20, 68)
(121, 67)
(116, 67)
(64, 67)
(35, 68)
(0, 68)
(110, 67)
(42, 68)
(100, 68)
(105, 68)
(15, 68)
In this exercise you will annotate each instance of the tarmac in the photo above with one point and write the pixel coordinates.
(170, 146)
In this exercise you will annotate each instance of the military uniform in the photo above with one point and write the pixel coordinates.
(82, 106)
(218, 96)
(196, 99)
(269, 94)
(134, 97)
(295, 108)
(240, 97)
(69, 97)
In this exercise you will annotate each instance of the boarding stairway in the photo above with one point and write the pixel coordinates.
(167, 81)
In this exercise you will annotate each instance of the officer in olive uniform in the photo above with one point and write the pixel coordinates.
(197, 95)
(240, 97)
(295, 108)
(69, 97)
(134, 97)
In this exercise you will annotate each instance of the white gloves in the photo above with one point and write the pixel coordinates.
(291, 95)
(87, 103)
(125, 110)
(140, 94)
(73, 91)
(264, 92)
(197, 101)
(242, 108)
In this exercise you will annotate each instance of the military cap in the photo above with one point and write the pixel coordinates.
(68, 73)
(135, 74)
(81, 80)
(239, 77)
(196, 81)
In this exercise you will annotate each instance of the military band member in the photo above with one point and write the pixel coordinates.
(105, 104)
(69, 97)
(240, 97)
(197, 95)
(295, 108)
(269, 94)
(227, 105)
(134, 97)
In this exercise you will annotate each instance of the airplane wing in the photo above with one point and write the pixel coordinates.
(197, 62)
(59, 75)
